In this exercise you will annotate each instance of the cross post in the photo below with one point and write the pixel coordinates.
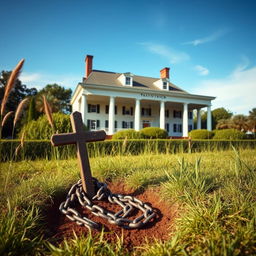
(79, 137)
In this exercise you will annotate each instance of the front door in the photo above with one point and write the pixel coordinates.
(146, 123)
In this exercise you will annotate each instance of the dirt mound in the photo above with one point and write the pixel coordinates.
(61, 227)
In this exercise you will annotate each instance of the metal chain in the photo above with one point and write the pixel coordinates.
(128, 204)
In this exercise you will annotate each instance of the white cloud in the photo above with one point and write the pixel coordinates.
(213, 37)
(202, 71)
(235, 92)
(173, 56)
(40, 80)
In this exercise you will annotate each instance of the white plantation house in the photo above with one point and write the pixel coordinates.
(114, 101)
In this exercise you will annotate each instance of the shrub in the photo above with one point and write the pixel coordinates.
(228, 134)
(41, 129)
(153, 133)
(129, 134)
(201, 134)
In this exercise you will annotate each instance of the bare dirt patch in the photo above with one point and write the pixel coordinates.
(60, 227)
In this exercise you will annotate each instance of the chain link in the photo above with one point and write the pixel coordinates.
(128, 204)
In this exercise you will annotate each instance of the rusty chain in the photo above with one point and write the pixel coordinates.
(120, 218)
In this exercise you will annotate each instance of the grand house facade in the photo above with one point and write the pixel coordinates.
(114, 101)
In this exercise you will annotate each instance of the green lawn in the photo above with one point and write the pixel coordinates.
(216, 192)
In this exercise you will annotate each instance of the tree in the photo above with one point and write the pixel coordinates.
(240, 122)
(252, 120)
(224, 124)
(19, 92)
(217, 115)
(57, 96)
(220, 114)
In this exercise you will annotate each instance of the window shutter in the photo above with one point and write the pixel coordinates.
(106, 123)
(167, 127)
(107, 109)
(115, 109)
(174, 127)
(123, 110)
(98, 108)
(149, 112)
(131, 124)
(89, 108)
(88, 124)
(167, 113)
(98, 123)
(123, 124)
(115, 124)
(131, 111)
(142, 111)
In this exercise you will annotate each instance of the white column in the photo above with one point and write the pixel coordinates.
(185, 120)
(198, 119)
(137, 115)
(84, 108)
(162, 115)
(209, 118)
(111, 116)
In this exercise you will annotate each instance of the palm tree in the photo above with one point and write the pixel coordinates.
(240, 122)
(252, 120)
(53, 102)
(224, 124)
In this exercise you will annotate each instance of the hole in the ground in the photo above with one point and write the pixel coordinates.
(61, 228)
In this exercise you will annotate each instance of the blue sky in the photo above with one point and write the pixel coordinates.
(208, 45)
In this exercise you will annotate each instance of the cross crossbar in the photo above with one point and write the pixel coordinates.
(79, 137)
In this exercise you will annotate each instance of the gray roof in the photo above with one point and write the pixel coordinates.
(99, 77)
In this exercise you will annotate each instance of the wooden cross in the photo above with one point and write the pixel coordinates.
(80, 137)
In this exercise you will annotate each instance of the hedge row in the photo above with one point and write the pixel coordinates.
(225, 134)
(43, 149)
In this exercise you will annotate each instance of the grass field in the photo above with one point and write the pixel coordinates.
(215, 191)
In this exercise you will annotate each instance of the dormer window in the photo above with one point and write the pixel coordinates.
(127, 80)
(165, 85)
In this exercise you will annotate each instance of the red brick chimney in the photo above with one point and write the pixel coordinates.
(164, 73)
(88, 65)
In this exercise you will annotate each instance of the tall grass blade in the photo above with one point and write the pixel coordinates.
(6, 117)
(19, 110)
(10, 84)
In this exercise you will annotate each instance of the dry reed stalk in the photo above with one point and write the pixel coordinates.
(11, 81)
(48, 111)
(6, 118)
(19, 110)
(21, 145)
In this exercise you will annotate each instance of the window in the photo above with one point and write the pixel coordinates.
(190, 127)
(107, 109)
(127, 80)
(146, 111)
(128, 111)
(92, 108)
(127, 125)
(177, 114)
(167, 113)
(190, 115)
(106, 124)
(93, 124)
(177, 127)
(164, 85)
